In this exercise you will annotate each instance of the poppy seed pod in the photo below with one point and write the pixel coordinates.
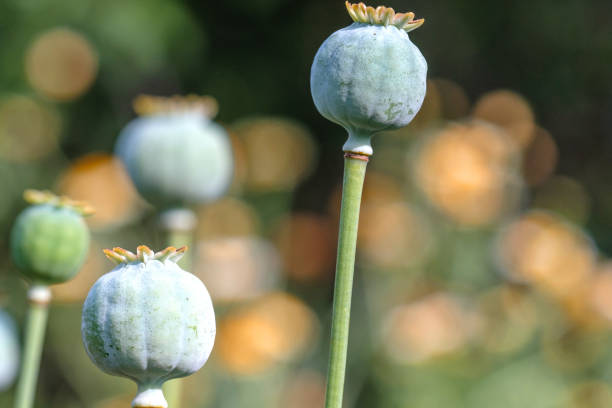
(174, 153)
(50, 240)
(148, 320)
(369, 76)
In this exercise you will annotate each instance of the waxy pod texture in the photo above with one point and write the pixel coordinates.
(369, 76)
(176, 155)
(50, 240)
(148, 320)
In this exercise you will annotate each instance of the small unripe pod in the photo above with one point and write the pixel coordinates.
(369, 76)
(148, 320)
(50, 239)
(174, 153)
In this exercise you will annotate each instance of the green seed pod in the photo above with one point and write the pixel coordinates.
(174, 153)
(369, 76)
(50, 240)
(148, 320)
(9, 351)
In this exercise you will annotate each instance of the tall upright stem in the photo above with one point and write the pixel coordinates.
(179, 225)
(39, 297)
(354, 175)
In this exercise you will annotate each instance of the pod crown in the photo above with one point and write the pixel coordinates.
(146, 105)
(47, 197)
(381, 15)
(144, 254)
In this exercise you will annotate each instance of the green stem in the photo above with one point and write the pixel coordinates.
(354, 175)
(39, 297)
(179, 224)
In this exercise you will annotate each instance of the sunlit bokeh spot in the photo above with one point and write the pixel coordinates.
(434, 326)
(241, 165)
(540, 158)
(508, 110)
(101, 180)
(541, 249)
(564, 196)
(601, 291)
(307, 243)
(469, 172)
(394, 235)
(76, 289)
(454, 100)
(508, 319)
(237, 268)
(276, 328)
(378, 188)
(280, 152)
(306, 389)
(227, 217)
(28, 129)
(61, 64)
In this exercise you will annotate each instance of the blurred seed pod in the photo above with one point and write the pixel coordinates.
(29, 130)
(280, 152)
(101, 180)
(508, 110)
(174, 154)
(432, 327)
(9, 351)
(61, 64)
(543, 250)
(307, 243)
(76, 289)
(274, 329)
(394, 235)
(237, 268)
(469, 172)
(227, 217)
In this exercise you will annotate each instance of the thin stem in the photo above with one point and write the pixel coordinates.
(354, 175)
(39, 297)
(179, 224)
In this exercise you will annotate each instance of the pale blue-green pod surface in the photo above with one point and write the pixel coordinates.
(368, 78)
(9, 351)
(177, 158)
(150, 322)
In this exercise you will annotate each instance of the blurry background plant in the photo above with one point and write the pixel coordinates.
(482, 276)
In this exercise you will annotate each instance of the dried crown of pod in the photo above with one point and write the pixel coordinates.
(50, 239)
(148, 320)
(369, 76)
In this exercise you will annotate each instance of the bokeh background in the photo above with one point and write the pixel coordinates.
(482, 277)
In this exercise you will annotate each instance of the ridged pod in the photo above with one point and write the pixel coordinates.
(369, 76)
(50, 240)
(174, 153)
(148, 320)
